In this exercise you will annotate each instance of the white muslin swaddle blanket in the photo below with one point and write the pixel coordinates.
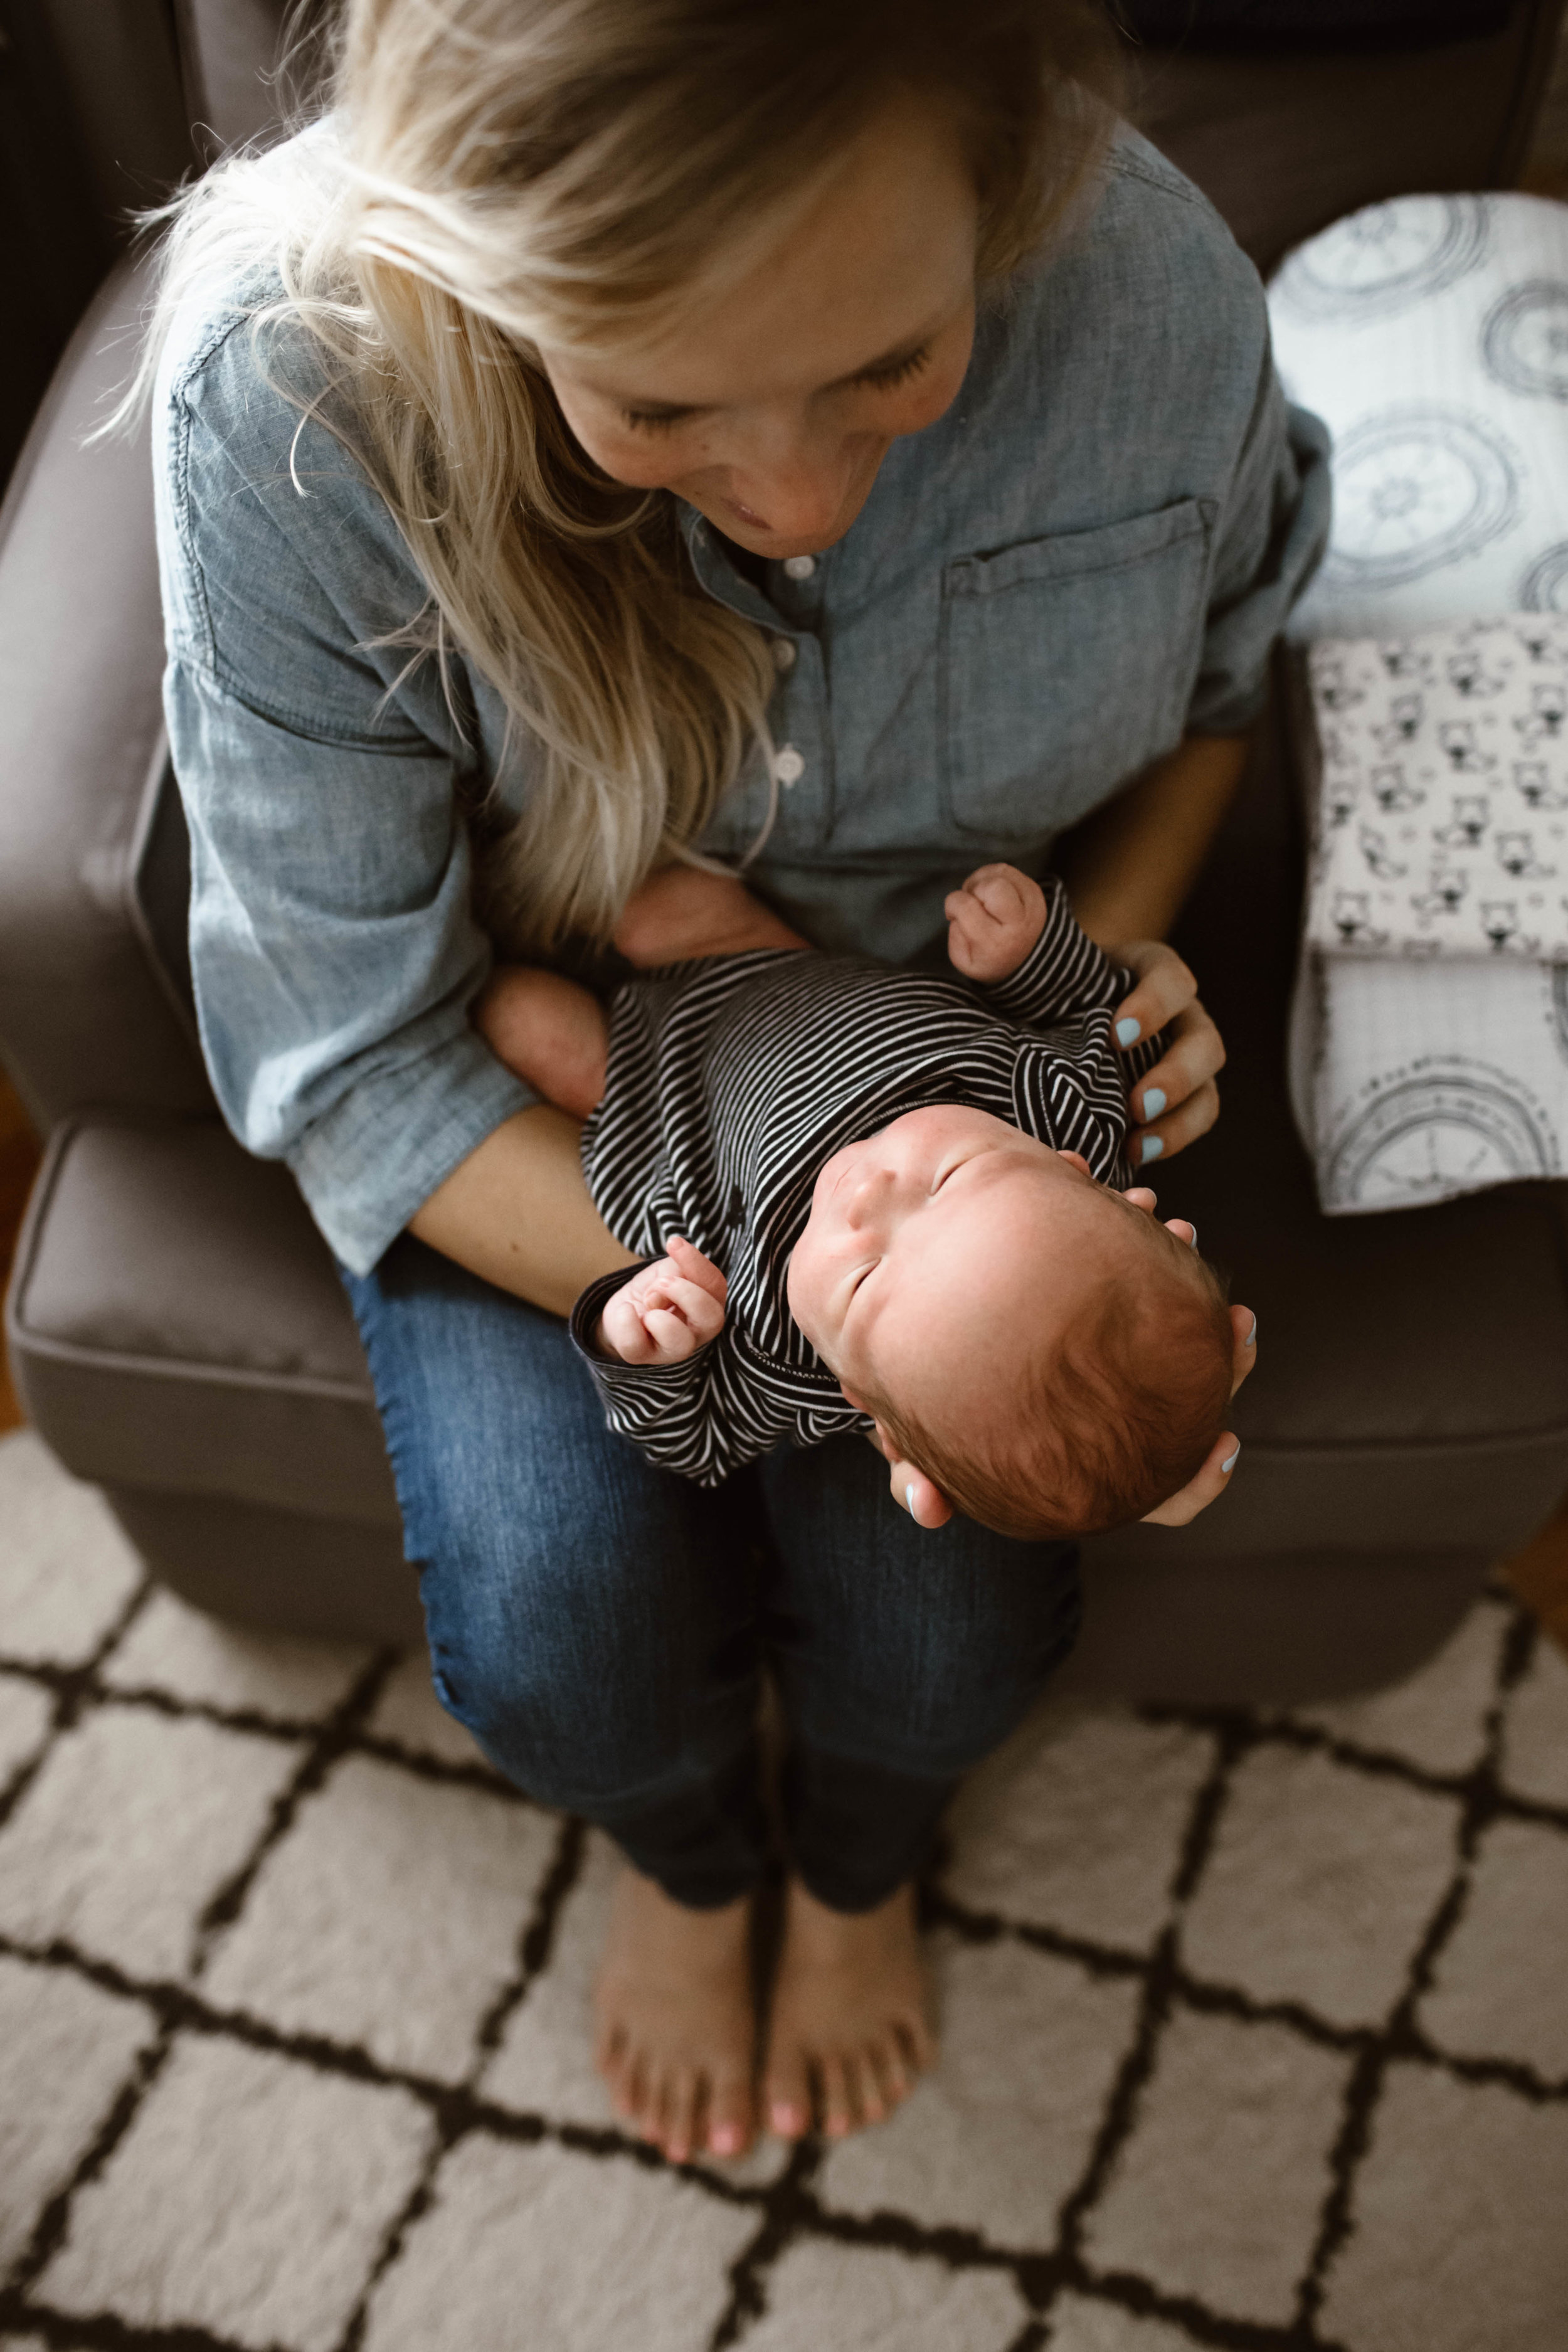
(1430, 1055)
(1430, 1052)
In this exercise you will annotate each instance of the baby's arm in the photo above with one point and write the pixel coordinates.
(548, 1031)
(667, 1311)
(992, 922)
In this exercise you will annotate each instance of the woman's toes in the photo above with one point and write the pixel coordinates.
(728, 2125)
(838, 2115)
(892, 2073)
(787, 2098)
(679, 2132)
(631, 2094)
(866, 2089)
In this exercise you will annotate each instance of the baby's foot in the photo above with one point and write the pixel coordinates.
(848, 2022)
(677, 2027)
(548, 1030)
(682, 912)
(993, 921)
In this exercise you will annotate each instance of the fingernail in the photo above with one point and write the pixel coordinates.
(1228, 1466)
(1153, 1147)
(1153, 1101)
(1128, 1031)
(726, 2139)
(1251, 1338)
(909, 1500)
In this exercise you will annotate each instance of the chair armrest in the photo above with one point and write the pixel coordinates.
(85, 1017)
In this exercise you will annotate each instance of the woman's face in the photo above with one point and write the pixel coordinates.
(773, 412)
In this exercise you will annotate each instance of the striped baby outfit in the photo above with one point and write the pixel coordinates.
(730, 1081)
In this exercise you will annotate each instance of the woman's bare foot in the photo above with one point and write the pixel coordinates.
(848, 2021)
(676, 2025)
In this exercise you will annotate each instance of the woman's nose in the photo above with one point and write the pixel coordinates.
(797, 487)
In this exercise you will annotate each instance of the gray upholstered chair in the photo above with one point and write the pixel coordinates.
(176, 1326)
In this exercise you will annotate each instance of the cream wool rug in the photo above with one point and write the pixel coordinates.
(1256, 2027)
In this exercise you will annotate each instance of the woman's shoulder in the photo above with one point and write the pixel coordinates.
(1150, 263)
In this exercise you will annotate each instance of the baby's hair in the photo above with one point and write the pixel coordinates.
(1105, 1426)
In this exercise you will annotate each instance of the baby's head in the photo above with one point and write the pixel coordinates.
(1051, 1357)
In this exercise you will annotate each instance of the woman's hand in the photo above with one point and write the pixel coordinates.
(1177, 1100)
(1213, 1479)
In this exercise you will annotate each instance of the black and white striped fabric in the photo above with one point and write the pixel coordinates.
(731, 1080)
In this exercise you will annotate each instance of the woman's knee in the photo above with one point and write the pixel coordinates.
(588, 1652)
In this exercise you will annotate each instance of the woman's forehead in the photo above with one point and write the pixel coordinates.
(878, 262)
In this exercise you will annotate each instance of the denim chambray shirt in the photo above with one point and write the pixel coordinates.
(1088, 557)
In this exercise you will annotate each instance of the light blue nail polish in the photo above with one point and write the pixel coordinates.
(1153, 1101)
(1153, 1147)
(1230, 1464)
(1128, 1031)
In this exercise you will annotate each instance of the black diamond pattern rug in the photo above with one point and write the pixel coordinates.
(1255, 2025)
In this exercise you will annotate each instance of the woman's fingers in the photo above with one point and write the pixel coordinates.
(1172, 1133)
(1244, 1325)
(1165, 987)
(1200, 1492)
(1197, 1052)
(1214, 1476)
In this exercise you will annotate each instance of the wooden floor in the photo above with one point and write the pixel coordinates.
(1538, 1575)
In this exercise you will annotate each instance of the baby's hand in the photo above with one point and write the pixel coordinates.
(993, 921)
(666, 1312)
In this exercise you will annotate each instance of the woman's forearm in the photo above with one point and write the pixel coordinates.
(1129, 868)
(517, 1212)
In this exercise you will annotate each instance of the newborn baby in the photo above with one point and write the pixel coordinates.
(880, 1199)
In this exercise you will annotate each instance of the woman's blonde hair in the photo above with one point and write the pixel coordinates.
(510, 174)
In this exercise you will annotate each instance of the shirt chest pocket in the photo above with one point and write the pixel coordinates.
(1066, 665)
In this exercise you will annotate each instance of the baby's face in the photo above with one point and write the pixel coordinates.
(946, 1228)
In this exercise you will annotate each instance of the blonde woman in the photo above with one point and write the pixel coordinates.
(803, 434)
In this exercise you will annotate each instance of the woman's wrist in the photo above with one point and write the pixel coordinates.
(517, 1212)
(1129, 866)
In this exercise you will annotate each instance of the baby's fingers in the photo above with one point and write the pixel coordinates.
(693, 1266)
(621, 1331)
(700, 1314)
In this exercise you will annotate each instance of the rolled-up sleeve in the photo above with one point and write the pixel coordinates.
(1273, 534)
(334, 946)
(334, 958)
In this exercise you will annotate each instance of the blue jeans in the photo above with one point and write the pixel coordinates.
(600, 1626)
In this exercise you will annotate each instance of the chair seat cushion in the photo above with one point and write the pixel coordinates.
(176, 1324)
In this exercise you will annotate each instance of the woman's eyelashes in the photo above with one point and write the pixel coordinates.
(655, 420)
(884, 379)
(879, 379)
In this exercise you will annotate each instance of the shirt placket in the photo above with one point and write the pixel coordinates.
(798, 715)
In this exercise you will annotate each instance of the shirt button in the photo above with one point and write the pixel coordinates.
(799, 567)
(789, 767)
(784, 652)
